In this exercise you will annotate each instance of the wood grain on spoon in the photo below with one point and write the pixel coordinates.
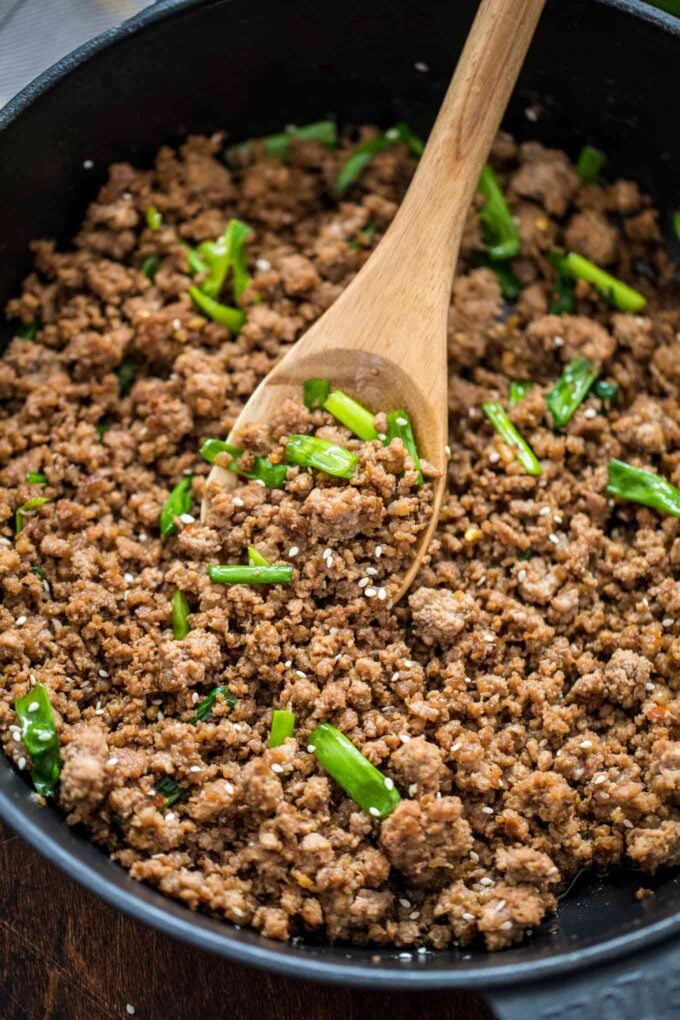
(384, 339)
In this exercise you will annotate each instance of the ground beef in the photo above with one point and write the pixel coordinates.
(523, 698)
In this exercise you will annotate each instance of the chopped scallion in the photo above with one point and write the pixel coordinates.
(40, 738)
(313, 452)
(232, 318)
(324, 132)
(273, 475)
(590, 164)
(363, 155)
(605, 390)
(564, 301)
(500, 420)
(570, 390)
(211, 448)
(640, 486)
(36, 478)
(170, 790)
(363, 237)
(154, 218)
(352, 414)
(283, 725)
(25, 508)
(195, 262)
(500, 232)
(150, 267)
(180, 616)
(360, 779)
(399, 427)
(316, 392)
(256, 559)
(618, 294)
(237, 234)
(177, 503)
(28, 331)
(126, 376)
(236, 574)
(204, 709)
(519, 389)
(676, 223)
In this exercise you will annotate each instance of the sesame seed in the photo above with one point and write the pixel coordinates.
(194, 698)
(176, 323)
(666, 622)
(363, 582)
(409, 663)
(401, 421)
(301, 673)
(374, 812)
(499, 906)
(377, 552)
(422, 950)
(489, 637)
(405, 903)
(170, 817)
(382, 436)
(229, 788)
(160, 717)
(599, 779)
(326, 553)
(20, 621)
(586, 744)
(481, 581)
(552, 537)
(456, 747)
(521, 575)
(413, 789)
(494, 456)
(590, 412)
(288, 663)
(293, 551)
(44, 735)
(112, 761)
(507, 925)
(405, 956)
(33, 707)
(559, 341)
(263, 265)
(129, 578)
(486, 881)
(4, 541)
(389, 783)
(649, 687)
(371, 571)
(310, 748)
(414, 916)
(382, 594)
(16, 734)
(87, 164)
(22, 763)
(329, 562)
(258, 481)
(129, 1008)
(627, 822)
(102, 672)
(474, 857)
(187, 518)
(467, 916)
(544, 511)
(394, 677)
(421, 66)
(404, 737)
(370, 593)
(237, 501)
(195, 768)
(447, 450)
(277, 768)
(487, 810)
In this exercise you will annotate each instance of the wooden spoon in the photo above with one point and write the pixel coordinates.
(384, 339)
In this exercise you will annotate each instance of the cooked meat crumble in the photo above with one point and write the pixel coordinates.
(523, 698)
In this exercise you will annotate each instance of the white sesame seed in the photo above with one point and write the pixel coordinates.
(112, 761)
(494, 456)
(102, 672)
(4, 541)
(127, 197)
(33, 707)
(288, 663)
(362, 582)
(521, 575)
(489, 637)
(414, 916)
(481, 581)
(195, 768)
(329, 562)
(176, 323)
(422, 950)
(382, 436)
(374, 812)
(143, 536)
(187, 518)
(474, 857)
(16, 734)
(421, 66)
(389, 783)
(649, 687)
(405, 956)
(277, 768)
(326, 553)
(370, 593)
(401, 421)
(413, 789)
(371, 571)
(394, 677)
(129, 578)
(22, 763)
(558, 518)
(301, 673)
(237, 501)
(599, 779)
(406, 904)
(552, 537)
(590, 412)
(467, 916)
(259, 481)
(506, 926)
(293, 551)
(404, 737)
(377, 552)
(627, 822)
(20, 621)
(44, 735)
(194, 698)
(486, 881)
(456, 747)
(310, 748)
(170, 817)
(499, 906)
(487, 810)
(559, 341)
(229, 788)
(544, 511)
(586, 744)
(382, 594)
(409, 663)
(263, 265)
(447, 450)
(160, 717)
(87, 164)
(129, 1008)
(666, 622)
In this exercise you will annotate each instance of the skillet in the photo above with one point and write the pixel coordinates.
(600, 71)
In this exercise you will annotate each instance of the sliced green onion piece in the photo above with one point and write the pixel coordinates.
(256, 559)
(510, 286)
(360, 780)
(640, 486)
(399, 427)
(177, 503)
(232, 318)
(316, 392)
(363, 237)
(590, 164)
(102, 428)
(180, 616)
(25, 508)
(273, 475)
(236, 574)
(204, 709)
(324, 132)
(194, 261)
(154, 218)
(283, 725)
(618, 294)
(237, 234)
(676, 226)
(27, 332)
(150, 267)
(570, 390)
(498, 417)
(605, 390)
(170, 789)
(211, 448)
(363, 155)
(564, 301)
(501, 234)
(352, 414)
(126, 376)
(519, 389)
(215, 256)
(36, 478)
(39, 734)
(39, 572)
(313, 452)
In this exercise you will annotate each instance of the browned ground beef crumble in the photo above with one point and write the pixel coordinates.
(524, 698)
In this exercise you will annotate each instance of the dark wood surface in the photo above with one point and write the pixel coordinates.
(64, 955)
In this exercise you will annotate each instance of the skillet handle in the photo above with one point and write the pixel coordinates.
(644, 986)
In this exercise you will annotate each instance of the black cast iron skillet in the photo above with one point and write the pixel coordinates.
(603, 72)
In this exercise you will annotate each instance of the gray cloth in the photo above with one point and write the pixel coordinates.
(36, 33)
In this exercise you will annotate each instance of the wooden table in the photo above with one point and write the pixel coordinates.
(67, 956)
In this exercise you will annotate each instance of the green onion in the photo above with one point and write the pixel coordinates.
(356, 418)
(640, 486)
(256, 559)
(236, 574)
(519, 389)
(590, 164)
(170, 789)
(228, 252)
(39, 734)
(36, 478)
(180, 616)
(363, 155)
(360, 780)
(126, 376)
(273, 475)
(363, 237)
(194, 261)
(323, 131)
(283, 725)
(154, 218)
(204, 709)
(564, 302)
(500, 232)
(316, 392)
(102, 428)
(570, 390)
(232, 318)
(150, 267)
(177, 503)
(313, 452)
(27, 332)
(605, 390)
(215, 256)
(399, 427)
(498, 417)
(510, 286)
(676, 223)
(25, 508)
(237, 234)
(618, 294)
(39, 572)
